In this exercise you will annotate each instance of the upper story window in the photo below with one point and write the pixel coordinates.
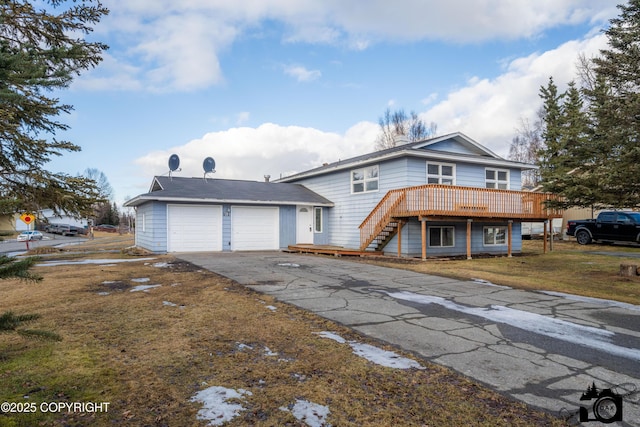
(497, 178)
(364, 180)
(441, 173)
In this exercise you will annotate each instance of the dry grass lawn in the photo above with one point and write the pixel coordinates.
(148, 353)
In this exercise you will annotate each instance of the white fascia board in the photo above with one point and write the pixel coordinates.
(147, 198)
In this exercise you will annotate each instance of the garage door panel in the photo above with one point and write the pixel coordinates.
(255, 228)
(194, 228)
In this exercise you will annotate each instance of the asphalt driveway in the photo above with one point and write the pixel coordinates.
(541, 348)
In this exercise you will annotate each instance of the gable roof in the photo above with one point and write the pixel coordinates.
(428, 148)
(180, 189)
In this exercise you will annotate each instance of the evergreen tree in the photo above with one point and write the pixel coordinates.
(592, 154)
(616, 109)
(41, 50)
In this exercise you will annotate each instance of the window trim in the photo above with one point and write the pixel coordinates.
(440, 176)
(364, 180)
(497, 181)
(440, 227)
(484, 235)
(316, 229)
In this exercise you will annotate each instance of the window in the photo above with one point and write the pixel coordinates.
(317, 220)
(441, 173)
(497, 178)
(441, 237)
(364, 180)
(144, 222)
(494, 236)
(607, 217)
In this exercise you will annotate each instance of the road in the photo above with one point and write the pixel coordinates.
(540, 348)
(12, 247)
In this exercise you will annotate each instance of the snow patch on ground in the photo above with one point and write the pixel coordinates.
(161, 264)
(599, 301)
(268, 352)
(143, 288)
(374, 354)
(141, 280)
(312, 414)
(587, 336)
(272, 308)
(216, 407)
(91, 261)
(289, 264)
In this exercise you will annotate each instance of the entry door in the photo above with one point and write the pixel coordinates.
(304, 219)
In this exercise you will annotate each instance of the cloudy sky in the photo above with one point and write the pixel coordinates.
(271, 87)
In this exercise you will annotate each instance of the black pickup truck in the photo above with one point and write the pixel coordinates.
(610, 226)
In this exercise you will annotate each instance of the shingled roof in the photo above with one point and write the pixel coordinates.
(180, 189)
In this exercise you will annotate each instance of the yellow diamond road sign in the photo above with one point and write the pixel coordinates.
(27, 218)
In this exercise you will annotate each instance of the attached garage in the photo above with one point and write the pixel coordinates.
(194, 228)
(255, 228)
(218, 215)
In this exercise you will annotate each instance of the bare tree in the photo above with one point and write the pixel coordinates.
(396, 126)
(104, 188)
(525, 147)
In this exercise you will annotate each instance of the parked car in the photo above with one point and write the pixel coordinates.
(29, 235)
(67, 230)
(609, 226)
(51, 228)
(106, 227)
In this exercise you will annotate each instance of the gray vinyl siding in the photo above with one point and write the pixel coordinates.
(341, 222)
(226, 228)
(323, 238)
(452, 146)
(154, 235)
(287, 226)
(412, 239)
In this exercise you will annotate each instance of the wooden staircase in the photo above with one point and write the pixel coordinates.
(380, 226)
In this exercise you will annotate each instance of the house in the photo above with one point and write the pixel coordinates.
(442, 196)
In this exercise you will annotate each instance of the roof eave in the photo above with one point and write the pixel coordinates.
(137, 201)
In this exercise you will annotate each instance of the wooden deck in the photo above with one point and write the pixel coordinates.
(438, 202)
(331, 250)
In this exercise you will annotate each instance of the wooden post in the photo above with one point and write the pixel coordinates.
(550, 234)
(423, 224)
(399, 239)
(544, 238)
(469, 222)
(510, 238)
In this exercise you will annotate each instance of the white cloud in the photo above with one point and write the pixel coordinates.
(270, 149)
(488, 110)
(301, 73)
(175, 46)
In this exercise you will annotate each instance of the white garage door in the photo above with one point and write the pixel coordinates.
(255, 228)
(194, 228)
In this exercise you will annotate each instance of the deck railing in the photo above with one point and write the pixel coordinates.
(437, 200)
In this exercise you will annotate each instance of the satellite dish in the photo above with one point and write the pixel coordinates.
(174, 162)
(209, 165)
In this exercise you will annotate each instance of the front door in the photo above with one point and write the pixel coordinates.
(304, 219)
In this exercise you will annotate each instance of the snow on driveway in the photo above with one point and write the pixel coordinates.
(599, 339)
